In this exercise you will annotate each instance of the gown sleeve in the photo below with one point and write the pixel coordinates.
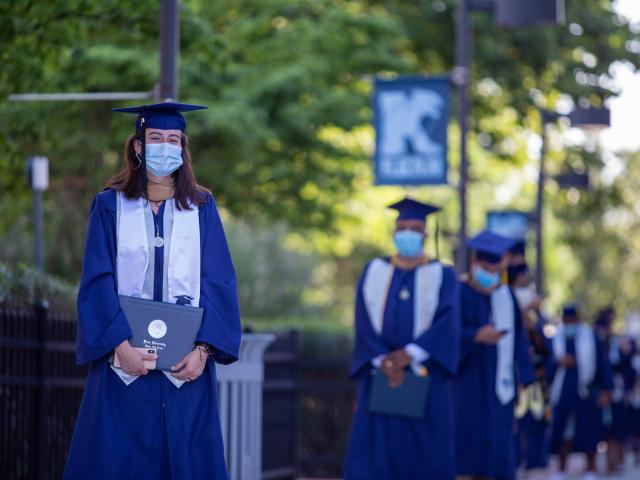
(468, 329)
(442, 340)
(368, 344)
(522, 356)
(102, 325)
(220, 327)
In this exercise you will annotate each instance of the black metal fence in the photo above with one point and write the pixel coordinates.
(40, 391)
(41, 388)
(327, 404)
(281, 400)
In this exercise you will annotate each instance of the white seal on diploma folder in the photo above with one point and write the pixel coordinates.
(157, 329)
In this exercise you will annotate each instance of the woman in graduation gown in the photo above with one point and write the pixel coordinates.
(154, 233)
(580, 390)
(406, 316)
(494, 359)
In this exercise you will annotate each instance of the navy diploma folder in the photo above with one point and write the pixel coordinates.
(407, 400)
(168, 328)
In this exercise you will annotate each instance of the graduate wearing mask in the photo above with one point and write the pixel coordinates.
(406, 319)
(494, 359)
(620, 352)
(580, 390)
(532, 409)
(153, 233)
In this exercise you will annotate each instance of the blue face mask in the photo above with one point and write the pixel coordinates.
(163, 158)
(484, 278)
(408, 243)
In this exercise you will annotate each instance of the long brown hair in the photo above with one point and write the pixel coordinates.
(132, 180)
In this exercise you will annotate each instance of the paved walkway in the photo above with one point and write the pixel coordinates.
(577, 465)
(576, 468)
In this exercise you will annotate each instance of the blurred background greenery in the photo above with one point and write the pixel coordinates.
(286, 143)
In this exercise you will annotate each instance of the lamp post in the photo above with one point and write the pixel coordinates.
(169, 49)
(508, 13)
(585, 118)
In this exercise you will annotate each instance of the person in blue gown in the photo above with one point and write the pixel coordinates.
(634, 402)
(135, 422)
(406, 317)
(620, 353)
(532, 410)
(494, 359)
(581, 389)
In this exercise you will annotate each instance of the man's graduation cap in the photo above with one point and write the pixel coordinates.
(410, 209)
(514, 271)
(165, 116)
(490, 247)
(570, 310)
(518, 248)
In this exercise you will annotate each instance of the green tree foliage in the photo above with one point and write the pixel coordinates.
(288, 82)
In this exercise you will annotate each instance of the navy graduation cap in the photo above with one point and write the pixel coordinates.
(518, 248)
(410, 209)
(513, 271)
(165, 115)
(490, 247)
(570, 310)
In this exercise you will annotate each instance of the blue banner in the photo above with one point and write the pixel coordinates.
(411, 116)
(508, 223)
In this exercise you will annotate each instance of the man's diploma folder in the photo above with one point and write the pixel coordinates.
(168, 328)
(407, 400)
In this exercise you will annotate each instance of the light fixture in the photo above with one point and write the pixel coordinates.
(519, 13)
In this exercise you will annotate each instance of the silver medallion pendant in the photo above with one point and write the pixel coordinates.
(404, 294)
(158, 242)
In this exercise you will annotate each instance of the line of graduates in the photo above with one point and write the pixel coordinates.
(504, 387)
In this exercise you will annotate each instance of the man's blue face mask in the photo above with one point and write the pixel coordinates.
(408, 243)
(484, 278)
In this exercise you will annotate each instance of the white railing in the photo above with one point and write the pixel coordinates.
(240, 399)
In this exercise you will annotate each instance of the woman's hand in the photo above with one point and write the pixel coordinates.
(132, 360)
(191, 366)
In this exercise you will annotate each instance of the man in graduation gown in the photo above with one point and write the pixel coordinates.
(580, 390)
(154, 425)
(532, 409)
(406, 317)
(494, 359)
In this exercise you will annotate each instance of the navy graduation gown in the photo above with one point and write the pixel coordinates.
(589, 427)
(624, 377)
(385, 447)
(532, 442)
(149, 429)
(484, 427)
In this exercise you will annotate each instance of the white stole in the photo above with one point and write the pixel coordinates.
(585, 360)
(426, 294)
(133, 257)
(503, 319)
